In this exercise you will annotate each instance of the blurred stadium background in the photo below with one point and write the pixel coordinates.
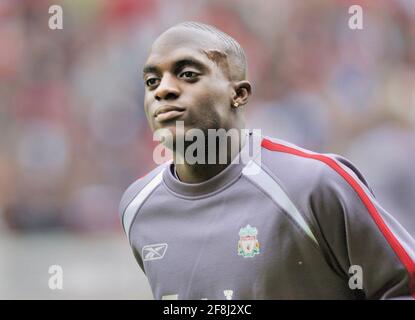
(73, 134)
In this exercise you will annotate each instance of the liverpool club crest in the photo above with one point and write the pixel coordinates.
(248, 244)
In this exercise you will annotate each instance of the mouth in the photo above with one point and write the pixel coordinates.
(166, 113)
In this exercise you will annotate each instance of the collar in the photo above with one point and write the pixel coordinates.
(223, 179)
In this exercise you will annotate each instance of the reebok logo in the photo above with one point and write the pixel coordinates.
(154, 251)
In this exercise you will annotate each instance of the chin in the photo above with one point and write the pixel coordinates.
(169, 133)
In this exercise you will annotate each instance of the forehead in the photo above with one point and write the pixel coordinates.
(177, 43)
(167, 59)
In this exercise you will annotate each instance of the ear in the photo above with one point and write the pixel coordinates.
(242, 91)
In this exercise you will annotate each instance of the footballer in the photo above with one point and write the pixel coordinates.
(289, 223)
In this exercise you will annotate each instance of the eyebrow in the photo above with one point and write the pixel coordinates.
(178, 65)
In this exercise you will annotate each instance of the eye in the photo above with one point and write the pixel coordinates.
(151, 82)
(188, 75)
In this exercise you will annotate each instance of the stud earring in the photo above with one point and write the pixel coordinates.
(236, 104)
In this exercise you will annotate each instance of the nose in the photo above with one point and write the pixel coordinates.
(167, 89)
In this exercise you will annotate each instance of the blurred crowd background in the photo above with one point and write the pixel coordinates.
(73, 134)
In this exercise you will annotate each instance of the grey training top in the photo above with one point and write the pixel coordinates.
(289, 224)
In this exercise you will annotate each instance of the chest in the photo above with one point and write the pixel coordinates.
(201, 249)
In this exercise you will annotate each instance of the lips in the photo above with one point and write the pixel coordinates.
(166, 113)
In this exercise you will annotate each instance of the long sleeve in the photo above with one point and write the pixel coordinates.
(358, 231)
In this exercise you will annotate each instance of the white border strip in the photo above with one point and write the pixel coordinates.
(273, 189)
(134, 205)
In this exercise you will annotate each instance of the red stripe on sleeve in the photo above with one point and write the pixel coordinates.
(387, 233)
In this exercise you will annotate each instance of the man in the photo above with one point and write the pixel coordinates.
(301, 225)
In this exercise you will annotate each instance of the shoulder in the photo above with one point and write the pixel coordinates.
(154, 178)
(309, 170)
(325, 187)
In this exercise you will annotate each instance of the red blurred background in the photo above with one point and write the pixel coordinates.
(74, 134)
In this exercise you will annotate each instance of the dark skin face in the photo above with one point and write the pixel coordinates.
(188, 73)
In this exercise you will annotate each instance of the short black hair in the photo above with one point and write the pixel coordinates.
(229, 45)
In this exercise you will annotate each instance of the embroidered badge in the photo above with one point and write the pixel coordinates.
(248, 244)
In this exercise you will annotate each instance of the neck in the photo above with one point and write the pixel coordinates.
(199, 172)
